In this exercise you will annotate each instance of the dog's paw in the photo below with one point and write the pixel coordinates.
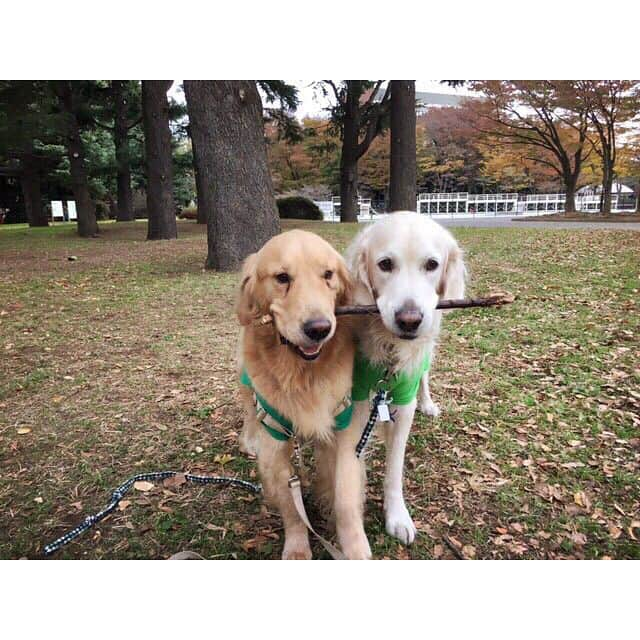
(357, 548)
(428, 407)
(248, 445)
(296, 549)
(298, 554)
(399, 524)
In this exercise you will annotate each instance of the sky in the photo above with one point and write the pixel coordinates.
(312, 102)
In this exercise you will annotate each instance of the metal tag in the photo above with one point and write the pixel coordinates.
(383, 412)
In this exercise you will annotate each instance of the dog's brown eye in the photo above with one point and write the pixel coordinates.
(283, 278)
(328, 274)
(431, 264)
(386, 264)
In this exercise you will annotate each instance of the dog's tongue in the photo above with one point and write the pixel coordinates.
(309, 351)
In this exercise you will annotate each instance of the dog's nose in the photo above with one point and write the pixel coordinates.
(317, 329)
(409, 318)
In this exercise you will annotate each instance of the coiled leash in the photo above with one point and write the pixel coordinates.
(124, 488)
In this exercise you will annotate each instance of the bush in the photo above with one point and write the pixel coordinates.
(299, 208)
(189, 213)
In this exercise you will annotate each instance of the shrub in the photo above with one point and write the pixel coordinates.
(299, 208)
(189, 213)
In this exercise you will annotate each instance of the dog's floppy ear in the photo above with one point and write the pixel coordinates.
(451, 285)
(345, 290)
(245, 306)
(357, 262)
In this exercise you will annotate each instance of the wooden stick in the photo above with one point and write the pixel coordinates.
(493, 300)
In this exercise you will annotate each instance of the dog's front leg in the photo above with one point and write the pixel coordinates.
(248, 441)
(350, 483)
(425, 402)
(397, 519)
(275, 470)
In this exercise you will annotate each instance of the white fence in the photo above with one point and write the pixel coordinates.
(331, 209)
(463, 204)
(495, 204)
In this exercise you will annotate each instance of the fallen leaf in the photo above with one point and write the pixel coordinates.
(124, 504)
(175, 481)
(57, 399)
(142, 485)
(223, 459)
(438, 551)
(578, 538)
(582, 500)
(614, 532)
(23, 430)
(469, 551)
(39, 500)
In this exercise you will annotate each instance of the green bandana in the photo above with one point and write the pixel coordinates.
(403, 387)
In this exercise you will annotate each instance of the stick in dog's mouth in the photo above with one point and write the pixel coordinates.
(493, 300)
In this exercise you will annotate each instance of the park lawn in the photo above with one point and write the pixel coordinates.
(122, 361)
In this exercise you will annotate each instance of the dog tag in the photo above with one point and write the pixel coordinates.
(383, 412)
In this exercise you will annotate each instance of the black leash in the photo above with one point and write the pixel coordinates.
(379, 411)
(123, 489)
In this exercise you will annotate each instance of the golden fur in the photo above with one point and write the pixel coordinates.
(306, 392)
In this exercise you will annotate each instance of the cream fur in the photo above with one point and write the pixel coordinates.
(409, 239)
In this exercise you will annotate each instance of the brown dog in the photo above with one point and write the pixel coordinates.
(301, 365)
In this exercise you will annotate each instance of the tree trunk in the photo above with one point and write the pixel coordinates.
(607, 184)
(638, 198)
(349, 156)
(402, 181)
(200, 188)
(121, 143)
(30, 183)
(231, 157)
(85, 207)
(157, 142)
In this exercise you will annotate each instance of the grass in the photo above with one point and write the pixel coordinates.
(123, 361)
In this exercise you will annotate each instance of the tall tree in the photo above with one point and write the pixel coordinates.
(544, 117)
(402, 182)
(157, 135)
(26, 128)
(226, 124)
(360, 114)
(70, 97)
(610, 104)
(126, 115)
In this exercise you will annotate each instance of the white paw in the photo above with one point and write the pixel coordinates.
(428, 407)
(399, 523)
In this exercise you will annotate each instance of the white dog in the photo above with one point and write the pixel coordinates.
(405, 263)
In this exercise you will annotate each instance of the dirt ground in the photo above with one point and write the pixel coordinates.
(122, 361)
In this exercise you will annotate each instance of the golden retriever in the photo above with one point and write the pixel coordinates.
(302, 366)
(404, 263)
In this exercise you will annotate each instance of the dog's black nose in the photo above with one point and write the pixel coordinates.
(317, 329)
(408, 318)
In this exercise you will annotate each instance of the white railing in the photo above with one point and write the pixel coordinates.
(494, 204)
(463, 204)
(331, 208)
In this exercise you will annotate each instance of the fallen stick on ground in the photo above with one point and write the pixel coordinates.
(493, 300)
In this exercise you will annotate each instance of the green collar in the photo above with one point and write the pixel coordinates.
(278, 426)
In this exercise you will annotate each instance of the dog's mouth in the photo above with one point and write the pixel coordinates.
(407, 336)
(306, 353)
